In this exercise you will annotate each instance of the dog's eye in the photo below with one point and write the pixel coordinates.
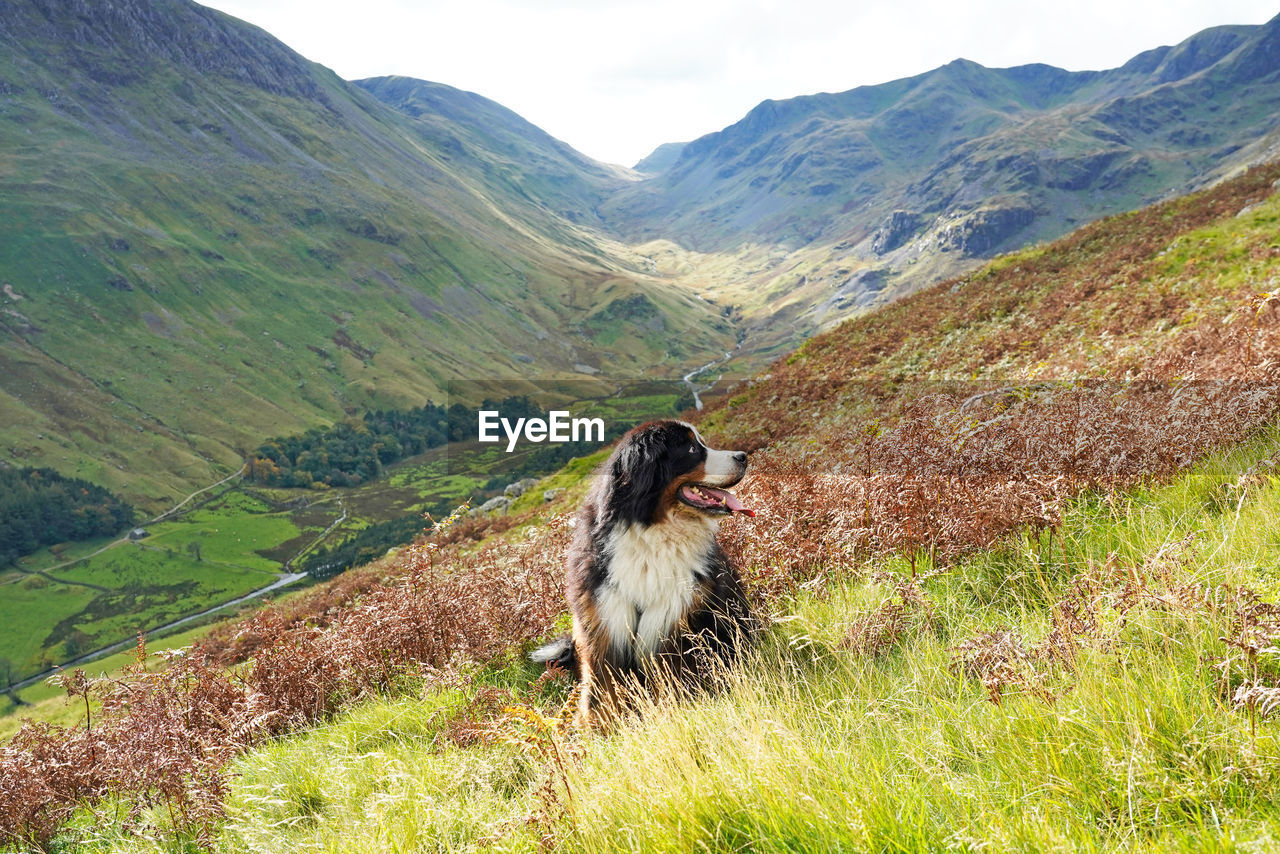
(693, 449)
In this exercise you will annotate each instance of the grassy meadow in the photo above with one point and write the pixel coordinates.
(207, 557)
(237, 543)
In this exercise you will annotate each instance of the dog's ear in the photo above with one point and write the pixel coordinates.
(639, 473)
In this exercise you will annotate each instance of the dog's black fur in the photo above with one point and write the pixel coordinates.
(645, 544)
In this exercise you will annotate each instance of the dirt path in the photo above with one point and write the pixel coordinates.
(175, 508)
(165, 515)
(45, 573)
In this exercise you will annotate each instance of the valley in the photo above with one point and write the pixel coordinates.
(202, 249)
(207, 241)
(1014, 556)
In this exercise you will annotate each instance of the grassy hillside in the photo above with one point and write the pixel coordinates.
(206, 240)
(1013, 544)
(496, 148)
(865, 723)
(1028, 699)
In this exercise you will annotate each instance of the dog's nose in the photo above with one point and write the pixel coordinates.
(740, 456)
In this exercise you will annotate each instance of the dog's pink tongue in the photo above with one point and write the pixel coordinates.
(731, 501)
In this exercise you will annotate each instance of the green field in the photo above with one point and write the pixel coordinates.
(232, 531)
(207, 558)
(45, 701)
(230, 546)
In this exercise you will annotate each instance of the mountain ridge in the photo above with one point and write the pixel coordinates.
(457, 122)
(882, 189)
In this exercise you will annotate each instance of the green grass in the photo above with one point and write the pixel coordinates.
(51, 556)
(816, 747)
(574, 478)
(231, 530)
(28, 611)
(230, 546)
(209, 556)
(43, 622)
(903, 755)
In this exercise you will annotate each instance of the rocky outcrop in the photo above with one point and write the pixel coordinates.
(899, 228)
(117, 43)
(984, 230)
(857, 291)
(520, 487)
(498, 504)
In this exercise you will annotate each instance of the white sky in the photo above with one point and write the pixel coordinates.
(616, 78)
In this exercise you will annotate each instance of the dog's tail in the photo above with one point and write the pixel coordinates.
(560, 652)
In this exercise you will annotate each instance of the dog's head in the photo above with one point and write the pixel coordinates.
(664, 467)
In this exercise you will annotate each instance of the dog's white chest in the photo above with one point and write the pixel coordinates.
(653, 573)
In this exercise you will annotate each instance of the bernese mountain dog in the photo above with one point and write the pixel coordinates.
(657, 605)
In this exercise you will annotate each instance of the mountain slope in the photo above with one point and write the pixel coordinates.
(882, 189)
(497, 148)
(661, 158)
(206, 239)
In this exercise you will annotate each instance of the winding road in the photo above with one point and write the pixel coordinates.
(282, 581)
(175, 508)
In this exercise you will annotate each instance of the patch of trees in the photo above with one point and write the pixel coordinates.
(39, 507)
(356, 450)
(350, 452)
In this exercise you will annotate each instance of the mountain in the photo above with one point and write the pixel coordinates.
(206, 240)
(497, 148)
(867, 194)
(661, 158)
